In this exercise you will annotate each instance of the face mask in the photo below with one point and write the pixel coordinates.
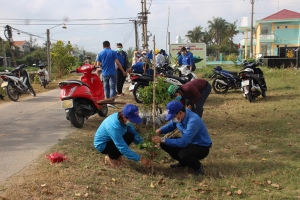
(119, 49)
(138, 55)
(129, 123)
(178, 98)
(188, 50)
(175, 120)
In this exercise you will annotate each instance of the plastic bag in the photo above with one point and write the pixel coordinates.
(56, 157)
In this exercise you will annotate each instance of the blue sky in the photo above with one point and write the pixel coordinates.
(184, 16)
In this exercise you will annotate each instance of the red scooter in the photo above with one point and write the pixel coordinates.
(84, 98)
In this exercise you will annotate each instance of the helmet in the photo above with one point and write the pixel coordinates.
(144, 52)
(135, 52)
(187, 47)
(172, 89)
(156, 51)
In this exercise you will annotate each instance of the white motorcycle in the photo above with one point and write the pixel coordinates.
(184, 72)
(43, 75)
(17, 83)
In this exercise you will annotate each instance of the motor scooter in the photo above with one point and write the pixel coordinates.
(85, 97)
(43, 75)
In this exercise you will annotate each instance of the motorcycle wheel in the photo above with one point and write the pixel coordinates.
(103, 112)
(136, 92)
(77, 120)
(219, 88)
(12, 92)
(44, 84)
(263, 93)
(31, 91)
(249, 95)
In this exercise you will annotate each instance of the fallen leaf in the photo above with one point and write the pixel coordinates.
(103, 170)
(256, 182)
(161, 181)
(43, 185)
(269, 182)
(267, 190)
(239, 192)
(224, 188)
(77, 194)
(113, 179)
(87, 187)
(151, 185)
(246, 144)
(228, 193)
(202, 183)
(263, 159)
(233, 186)
(275, 185)
(86, 195)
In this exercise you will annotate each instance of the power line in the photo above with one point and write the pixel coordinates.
(66, 24)
(66, 20)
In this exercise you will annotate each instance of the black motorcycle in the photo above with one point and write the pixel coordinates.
(17, 83)
(224, 80)
(253, 82)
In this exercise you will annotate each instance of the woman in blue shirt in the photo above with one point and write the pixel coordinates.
(116, 133)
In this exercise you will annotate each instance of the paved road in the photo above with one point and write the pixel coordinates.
(28, 128)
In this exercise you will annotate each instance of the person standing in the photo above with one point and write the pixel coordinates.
(192, 94)
(195, 142)
(186, 58)
(160, 59)
(123, 59)
(107, 58)
(116, 133)
(192, 67)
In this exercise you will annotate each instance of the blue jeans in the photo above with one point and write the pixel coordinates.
(110, 85)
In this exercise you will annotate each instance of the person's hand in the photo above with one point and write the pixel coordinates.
(144, 161)
(124, 73)
(156, 139)
(158, 131)
(190, 107)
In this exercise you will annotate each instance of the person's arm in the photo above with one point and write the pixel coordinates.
(118, 140)
(120, 67)
(188, 135)
(171, 126)
(137, 138)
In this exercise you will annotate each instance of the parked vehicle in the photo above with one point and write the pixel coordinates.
(18, 83)
(253, 82)
(82, 99)
(184, 72)
(141, 80)
(225, 80)
(43, 75)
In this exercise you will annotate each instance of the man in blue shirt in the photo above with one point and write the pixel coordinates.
(107, 59)
(186, 59)
(194, 143)
(141, 68)
(123, 59)
(193, 66)
(149, 56)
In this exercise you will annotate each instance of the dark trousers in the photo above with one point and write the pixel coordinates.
(120, 81)
(199, 104)
(187, 156)
(111, 149)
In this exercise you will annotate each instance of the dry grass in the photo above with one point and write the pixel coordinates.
(255, 155)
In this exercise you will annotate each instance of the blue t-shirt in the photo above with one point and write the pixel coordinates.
(179, 58)
(186, 59)
(149, 56)
(138, 67)
(121, 58)
(107, 58)
(191, 57)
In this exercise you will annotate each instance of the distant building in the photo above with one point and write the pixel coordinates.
(23, 45)
(272, 34)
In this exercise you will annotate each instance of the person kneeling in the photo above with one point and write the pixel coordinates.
(116, 133)
(195, 142)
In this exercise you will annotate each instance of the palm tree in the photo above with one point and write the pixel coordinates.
(217, 28)
(231, 31)
(195, 35)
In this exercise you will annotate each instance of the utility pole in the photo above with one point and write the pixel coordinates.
(251, 30)
(48, 53)
(144, 21)
(136, 34)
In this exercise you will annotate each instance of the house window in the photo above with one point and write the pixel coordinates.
(285, 26)
(278, 27)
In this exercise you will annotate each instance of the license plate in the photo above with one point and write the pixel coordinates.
(67, 103)
(4, 84)
(131, 87)
(245, 82)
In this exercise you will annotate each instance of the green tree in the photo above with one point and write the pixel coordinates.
(217, 29)
(130, 51)
(231, 31)
(35, 56)
(61, 58)
(195, 35)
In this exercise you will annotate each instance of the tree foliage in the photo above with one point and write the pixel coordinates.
(61, 58)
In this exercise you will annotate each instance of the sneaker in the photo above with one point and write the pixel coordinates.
(177, 165)
(111, 105)
(199, 171)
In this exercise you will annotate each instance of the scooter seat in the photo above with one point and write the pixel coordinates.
(72, 82)
(233, 73)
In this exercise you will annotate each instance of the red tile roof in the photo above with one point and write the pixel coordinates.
(19, 43)
(283, 14)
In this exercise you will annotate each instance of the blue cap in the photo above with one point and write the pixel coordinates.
(132, 113)
(173, 108)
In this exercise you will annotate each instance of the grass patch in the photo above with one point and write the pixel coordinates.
(255, 155)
